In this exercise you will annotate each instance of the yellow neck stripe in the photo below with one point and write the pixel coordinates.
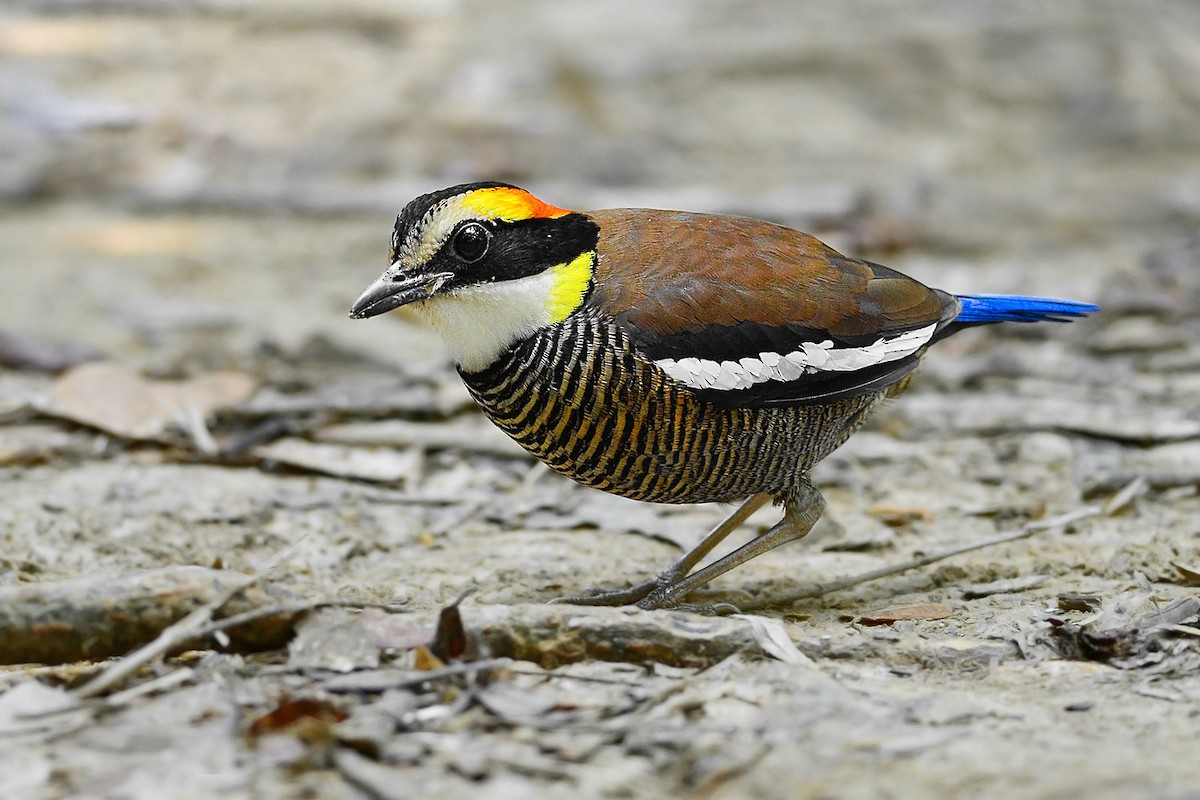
(570, 285)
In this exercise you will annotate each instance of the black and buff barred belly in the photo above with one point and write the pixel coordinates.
(577, 396)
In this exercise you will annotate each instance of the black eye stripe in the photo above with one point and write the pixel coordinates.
(514, 249)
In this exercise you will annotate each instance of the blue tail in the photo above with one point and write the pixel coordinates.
(981, 308)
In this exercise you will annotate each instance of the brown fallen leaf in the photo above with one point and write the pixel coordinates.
(451, 641)
(121, 402)
(311, 719)
(425, 660)
(899, 516)
(1079, 601)
(903, 611)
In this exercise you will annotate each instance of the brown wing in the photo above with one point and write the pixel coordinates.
(721, 289)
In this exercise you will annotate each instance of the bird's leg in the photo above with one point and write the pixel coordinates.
(802, 509)
(675, 573)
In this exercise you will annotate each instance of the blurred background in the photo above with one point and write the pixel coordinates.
(188, 179)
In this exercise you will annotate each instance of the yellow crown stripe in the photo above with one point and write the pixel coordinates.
(510, 205)
(570, 285)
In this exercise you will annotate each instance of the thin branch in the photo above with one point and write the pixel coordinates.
(183, 630)
(1024, 532)
(172, 636)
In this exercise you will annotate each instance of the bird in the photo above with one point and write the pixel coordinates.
(670, 356)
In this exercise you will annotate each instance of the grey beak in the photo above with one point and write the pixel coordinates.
(394, 289)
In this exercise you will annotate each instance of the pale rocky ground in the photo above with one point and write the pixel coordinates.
(205, 185)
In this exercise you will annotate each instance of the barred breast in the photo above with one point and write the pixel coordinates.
(577, 396)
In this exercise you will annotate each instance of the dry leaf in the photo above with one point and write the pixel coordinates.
(451, 641)
(121, 402)
(425, 661)
(898, 516)
(308, 713)
(903, 611)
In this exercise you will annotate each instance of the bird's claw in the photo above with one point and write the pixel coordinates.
(611, 597)
(651, 595)
(659, 592)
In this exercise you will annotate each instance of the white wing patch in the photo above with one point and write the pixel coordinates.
(702, 373)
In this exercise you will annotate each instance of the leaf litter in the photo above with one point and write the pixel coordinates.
(369, 691)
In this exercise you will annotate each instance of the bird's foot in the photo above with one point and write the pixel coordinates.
(613, 597)
(657, 587)
(664, 592)
(704, 609)
(664, 596)
(670, 596)
(670, 586)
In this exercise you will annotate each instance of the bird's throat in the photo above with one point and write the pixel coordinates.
(480, 322)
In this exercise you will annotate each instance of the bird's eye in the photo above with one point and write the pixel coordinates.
(471, 242)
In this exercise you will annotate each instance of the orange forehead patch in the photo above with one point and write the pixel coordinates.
(510, 205)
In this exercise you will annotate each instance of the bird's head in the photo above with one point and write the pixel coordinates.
(487, 264)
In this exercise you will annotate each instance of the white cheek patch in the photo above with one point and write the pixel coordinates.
(702, 373)
(480, 322)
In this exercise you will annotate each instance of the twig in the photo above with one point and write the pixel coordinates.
(183, 630)
(1024, 532)
(159, 684)
(68, 719)
(175, 634)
